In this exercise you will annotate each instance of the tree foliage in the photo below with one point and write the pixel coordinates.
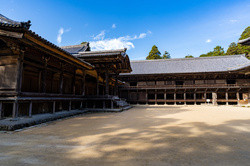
(218, 51)
(233, 49)
(154, 53)
(189, 56)
(166, 55)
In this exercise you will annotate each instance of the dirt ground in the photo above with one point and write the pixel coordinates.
(143, 135)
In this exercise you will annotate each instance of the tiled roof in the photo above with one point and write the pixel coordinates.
(15, 25)
(4, 21)
(245, 41)
(75, 49)
(189, 65)
(103, 53)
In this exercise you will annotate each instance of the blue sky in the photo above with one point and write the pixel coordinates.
(181, 27)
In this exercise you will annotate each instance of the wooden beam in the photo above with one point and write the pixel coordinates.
(11, 34)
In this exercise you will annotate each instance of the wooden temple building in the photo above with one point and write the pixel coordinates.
(37, 76)
(215, 80)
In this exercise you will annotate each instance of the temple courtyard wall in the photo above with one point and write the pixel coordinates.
(143, 135)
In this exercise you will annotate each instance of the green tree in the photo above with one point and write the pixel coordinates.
(154, 53)
(232, 49)
(235, 49)
(189, 56)
(166, 55)
(245, 34)
(218, 51)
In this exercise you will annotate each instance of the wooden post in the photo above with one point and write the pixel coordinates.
(106, 83)
(20, 71)
(104, 105)
(146, 97)
(70, 105)
(39, 80)
(74, 83)
(214, 95)
(165, 97)
(44, 76)
(15, 110)
(97, 84)
(112, 104)
(194, 98)
(83, 82)
(116, 84)
(30, 109)
(61, 80)
(226, 97)
(174, 98)
(155, 97)
(1, 109)
(185, 98)
(238, 97)
(54, 107)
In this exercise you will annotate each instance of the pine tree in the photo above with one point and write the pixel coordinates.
(154, 53)
(232, 49)
(166, 55)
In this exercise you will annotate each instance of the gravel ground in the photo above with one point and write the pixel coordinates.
(143, 135)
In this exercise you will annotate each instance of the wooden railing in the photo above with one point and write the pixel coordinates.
(189, 86)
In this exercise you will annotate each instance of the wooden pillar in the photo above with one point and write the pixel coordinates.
(226, 97)
(165, 97)
(185, 98)
(146, 97)
(104, 104)
(155, 96)
(1, 109)
(20, 72)
(194, 98)
(116, 84)
(174, 98)
(106, 83)
(97, 84)
(70, 105)
(61, 80)
(30, 109)
(103, 88)
(83, 82)
(40, 81)
(214, 95)
(54, 107)
(44, 75)
(15, 110)
(112, 104)
(238, 97)
(137, 96)
(74, 83)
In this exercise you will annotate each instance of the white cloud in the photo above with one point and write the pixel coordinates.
(113, 26)
(142, 35)
(61, 31)
(59, 36)
(100, 36)
(208, 41)
(233, 21)
(115, 43)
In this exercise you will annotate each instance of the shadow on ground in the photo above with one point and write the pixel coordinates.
(141, 136)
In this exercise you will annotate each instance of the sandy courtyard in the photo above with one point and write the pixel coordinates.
(153, 135)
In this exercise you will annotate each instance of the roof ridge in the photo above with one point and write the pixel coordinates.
(195, 58)
(100, 51)
(71, 46)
